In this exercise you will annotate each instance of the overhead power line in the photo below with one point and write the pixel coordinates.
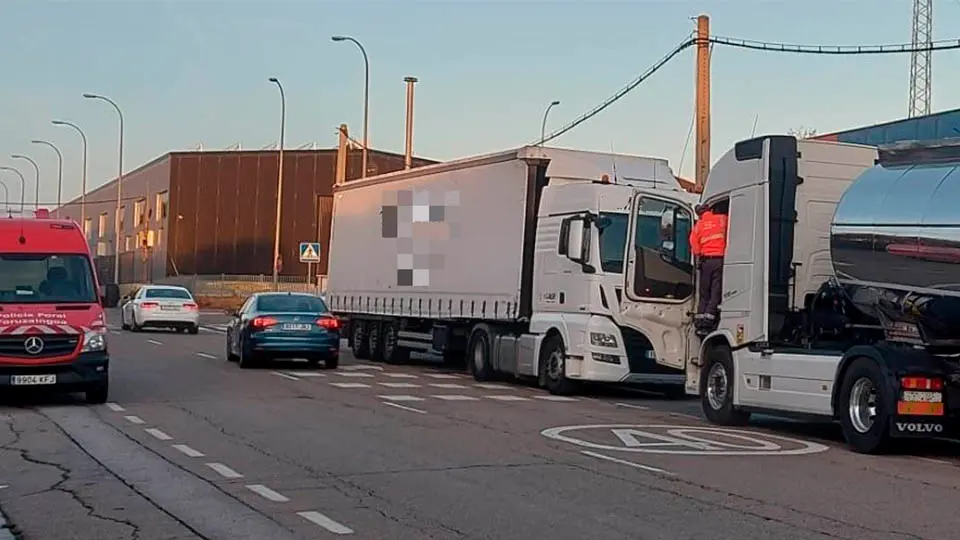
(764, 46)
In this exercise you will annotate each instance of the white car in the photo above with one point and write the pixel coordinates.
(160, 306)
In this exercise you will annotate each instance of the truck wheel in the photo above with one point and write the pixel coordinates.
(98, 394)
(553, 367)
(863, 407)
(393, 353)
(716, 389)
(478, 354)
(375, 340)
(358, 345)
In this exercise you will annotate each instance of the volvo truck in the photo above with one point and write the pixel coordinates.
(516, 261)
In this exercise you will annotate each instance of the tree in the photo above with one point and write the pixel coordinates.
(802, 132)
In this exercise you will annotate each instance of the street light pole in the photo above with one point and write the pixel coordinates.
(83, 188)
(36, 203)
(116, 243)
(59, 170)
(6, 196)
(23, 184)
(543, 125)
(276, 233)
(366, 98)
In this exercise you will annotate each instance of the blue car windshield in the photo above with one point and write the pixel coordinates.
(290, 303)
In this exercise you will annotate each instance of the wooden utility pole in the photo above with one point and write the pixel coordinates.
(342, 155)
(703, 102)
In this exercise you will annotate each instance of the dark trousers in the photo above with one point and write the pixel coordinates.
(711, 285)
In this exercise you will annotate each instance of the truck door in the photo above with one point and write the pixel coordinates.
(660, 276)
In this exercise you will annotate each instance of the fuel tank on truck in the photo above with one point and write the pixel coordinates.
(895, 242)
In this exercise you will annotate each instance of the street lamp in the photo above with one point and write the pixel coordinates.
(543, 125)
(36, 203)
(366, 97)
(59, 169)
(116, 244)
(83, 189)
(276, 233)
(23, 183)
(6, 196)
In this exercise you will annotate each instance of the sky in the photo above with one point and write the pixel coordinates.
(195, 72)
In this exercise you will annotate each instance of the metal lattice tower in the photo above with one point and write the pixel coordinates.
(920, 71)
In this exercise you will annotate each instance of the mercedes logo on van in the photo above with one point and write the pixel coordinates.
(33, 345)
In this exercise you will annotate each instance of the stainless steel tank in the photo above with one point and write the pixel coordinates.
(895, 239)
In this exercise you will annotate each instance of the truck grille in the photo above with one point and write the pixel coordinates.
(53, 345)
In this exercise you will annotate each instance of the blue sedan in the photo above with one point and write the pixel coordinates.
(283, 325)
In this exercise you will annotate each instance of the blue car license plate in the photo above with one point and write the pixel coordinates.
(297, 327)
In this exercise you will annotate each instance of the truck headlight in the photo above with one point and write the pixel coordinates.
(94, 341)
(600, 339)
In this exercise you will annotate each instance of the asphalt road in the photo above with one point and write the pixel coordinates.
(191, 446)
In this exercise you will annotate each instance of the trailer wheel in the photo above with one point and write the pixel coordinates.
(863, 408)
(553, 367)
(359, 342)
(393, 353)
(375, 340)
(478, 354)
(716, 389)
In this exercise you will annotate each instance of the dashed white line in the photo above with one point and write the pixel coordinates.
(284, 375)
(224, 471)
(400, 375)
(115, 407)
(306, 374)
(267, 493)
(155, 342)
(355, 374)
(508, 398)
(399, 385)
(491, 386)
(354, 367)
(442, 376)
(401, 398)
(632, 406)
(205, 355)
(187, 451)
(404, 407)
(448, 386)
(455, 397)
(629, 463)
(134, 419)
(555, 398)
(325, 522)
(932, 460)
(349, 385)
(158, 434)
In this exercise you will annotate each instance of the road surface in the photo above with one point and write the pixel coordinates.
(191, 446)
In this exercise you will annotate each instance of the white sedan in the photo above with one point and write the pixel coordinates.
(160, 306)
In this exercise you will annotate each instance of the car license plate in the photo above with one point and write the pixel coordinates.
(27, 380)
(297, 327)
(169, 308)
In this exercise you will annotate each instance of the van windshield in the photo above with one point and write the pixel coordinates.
(32, 278)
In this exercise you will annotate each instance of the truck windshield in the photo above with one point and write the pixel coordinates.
(613, 242)
(46, 278)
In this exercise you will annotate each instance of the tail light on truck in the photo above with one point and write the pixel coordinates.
(920, 396)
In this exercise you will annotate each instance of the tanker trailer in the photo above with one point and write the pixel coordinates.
(848, 306)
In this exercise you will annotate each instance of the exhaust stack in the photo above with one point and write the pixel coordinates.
(408, 149)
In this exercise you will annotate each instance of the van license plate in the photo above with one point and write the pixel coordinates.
(297, 327)
(29, 380)
(169, 308)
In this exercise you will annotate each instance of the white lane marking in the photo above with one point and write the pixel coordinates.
(158, 434)
(224, 471)
(508, 398)
(455, 397)
(284, 375)
(448, 386)
(938, 461)
(491, 386)
(205, 355)
(267, 493)
(354, 374)
(155, 342)
(349, 385)
(399, 385)
(356, 367)
(626, 462)
(400, 375)
(116, 332)
(401, 398)
(325, 522)
(632, 406)
(442, 376)
(114, 407)
(187, 451)
(305, 374)
(555, 398)
(134, 419)
(404, 407)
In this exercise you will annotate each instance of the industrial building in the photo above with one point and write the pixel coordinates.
(942, 125)
(214, 212)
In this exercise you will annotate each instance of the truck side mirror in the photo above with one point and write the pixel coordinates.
(574, 240)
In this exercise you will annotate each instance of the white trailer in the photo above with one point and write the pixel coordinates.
(518, 260)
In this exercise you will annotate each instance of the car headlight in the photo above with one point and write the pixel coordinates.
(600, 339)
(94, 340)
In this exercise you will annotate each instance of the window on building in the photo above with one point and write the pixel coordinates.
(139, 212)
(87, 228)
(161, 212)
(101, 249)
(127, 243)
(151, 238)
(102, 226)
(121, 214)
(157, 238)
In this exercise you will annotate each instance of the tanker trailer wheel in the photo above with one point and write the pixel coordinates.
(716, 389)
(863, 407)
(358, 345)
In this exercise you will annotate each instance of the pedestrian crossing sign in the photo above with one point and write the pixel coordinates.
(309, 252)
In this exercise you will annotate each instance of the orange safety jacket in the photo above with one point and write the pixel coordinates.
(708, 238)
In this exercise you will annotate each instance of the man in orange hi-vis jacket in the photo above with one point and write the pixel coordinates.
(708, 242)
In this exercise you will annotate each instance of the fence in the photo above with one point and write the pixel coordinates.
(227, 285)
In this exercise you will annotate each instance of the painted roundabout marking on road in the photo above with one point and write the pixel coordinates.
(681, 440)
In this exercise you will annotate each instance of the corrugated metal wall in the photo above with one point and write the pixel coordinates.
(935, 126)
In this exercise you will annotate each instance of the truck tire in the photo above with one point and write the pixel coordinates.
(393, 353)
(375, 340)
(716, 389)
(553, 367)
(478, 353)
(864, 388)
(358, 345)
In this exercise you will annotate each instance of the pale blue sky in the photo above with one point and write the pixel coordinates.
(188, 72)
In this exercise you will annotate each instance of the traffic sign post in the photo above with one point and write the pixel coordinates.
(309, 252)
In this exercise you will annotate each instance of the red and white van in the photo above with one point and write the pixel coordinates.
(52, 327)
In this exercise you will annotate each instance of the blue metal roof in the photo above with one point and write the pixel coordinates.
(942, 125)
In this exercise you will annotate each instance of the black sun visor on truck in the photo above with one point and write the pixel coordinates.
(919, 152)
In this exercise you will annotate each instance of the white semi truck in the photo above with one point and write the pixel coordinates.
(517, 261)
(841, 288)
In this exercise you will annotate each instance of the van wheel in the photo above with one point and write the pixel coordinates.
(358, 345)
(716, 389)
(553, 367)
(478, 353)
(98, 394)
(863, 408)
